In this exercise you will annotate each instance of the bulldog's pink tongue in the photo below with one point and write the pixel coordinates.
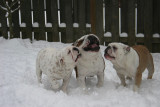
(94, 45)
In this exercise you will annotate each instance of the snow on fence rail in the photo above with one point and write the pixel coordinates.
(128, 21)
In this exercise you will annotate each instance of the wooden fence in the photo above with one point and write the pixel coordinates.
(68, 20)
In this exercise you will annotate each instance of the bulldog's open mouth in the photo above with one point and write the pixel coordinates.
(92, 47)
(107, 56)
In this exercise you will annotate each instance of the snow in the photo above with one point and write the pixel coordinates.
(48, 24)
(75, 25)
(140, 35)
(23, 25)
(123, 34)
(35, 24)
(88, 25)
(62, 25)
(156, 35)
(19, 86)
(108, 34)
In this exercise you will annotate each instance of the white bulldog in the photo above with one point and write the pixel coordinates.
(57, 65)
(130, 62)
(91, 62)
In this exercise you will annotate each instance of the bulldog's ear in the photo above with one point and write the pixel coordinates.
(75, 43)
(127, 49)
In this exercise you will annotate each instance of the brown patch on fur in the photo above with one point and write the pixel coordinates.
(145, 61)
(78, 43)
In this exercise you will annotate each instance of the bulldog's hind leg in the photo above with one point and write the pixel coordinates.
(150, 67)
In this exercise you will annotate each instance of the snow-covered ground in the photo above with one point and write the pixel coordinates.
(19, 86)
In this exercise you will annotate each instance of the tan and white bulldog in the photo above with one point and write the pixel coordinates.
(130, 62)
(57, 64)
(91, 62)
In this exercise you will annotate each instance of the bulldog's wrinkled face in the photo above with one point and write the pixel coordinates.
(88, 42)
(116, 51)
(72, 53)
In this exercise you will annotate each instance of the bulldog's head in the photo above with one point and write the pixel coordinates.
(116, 51)
(71, 53)
(89, 43)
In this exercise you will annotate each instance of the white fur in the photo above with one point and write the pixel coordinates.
(56, 65)
(90, 64)
(125, 63)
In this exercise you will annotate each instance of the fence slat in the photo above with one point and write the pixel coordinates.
(15, 20)
(3, 21)
(26, 18)
(87, 11)
(35, 17)
(93, 16)
(49, 18)
(75, 11)
(69, 22)
(62, 18)
(140, 16)
(99, 20)
(156, 16)
(148, 13)
(115, 20)
(108, 14)
(54, 14)
(41, 20)
(124, 10)
(131, 22)
(81, 17)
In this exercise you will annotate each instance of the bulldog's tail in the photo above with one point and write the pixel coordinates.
(150, 67)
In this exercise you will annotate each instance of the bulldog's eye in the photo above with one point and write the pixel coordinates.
(114, 48)
(69, 51)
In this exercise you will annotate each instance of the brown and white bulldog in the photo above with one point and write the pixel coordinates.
(91, 62)
(130, 62)
(57, 64)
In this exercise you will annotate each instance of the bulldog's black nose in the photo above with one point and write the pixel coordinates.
(76, 49)
(106, 50)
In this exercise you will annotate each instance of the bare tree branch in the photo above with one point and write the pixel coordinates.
(13, 3)
(15, 9)
(3, 8)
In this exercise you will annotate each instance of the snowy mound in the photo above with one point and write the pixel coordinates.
(19, 86)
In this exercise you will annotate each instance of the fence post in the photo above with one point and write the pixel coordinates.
(124, 10)
(26, 18)
(54, 14)
(62, 19)
(99, 20)
(131, 22)
(41, 20)
(108, 14)
(115, 20)
(3, 21)
(69, 22)
(93, 16)
(148, 13)
(15, 20)
(140, 16)
(81, 17)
